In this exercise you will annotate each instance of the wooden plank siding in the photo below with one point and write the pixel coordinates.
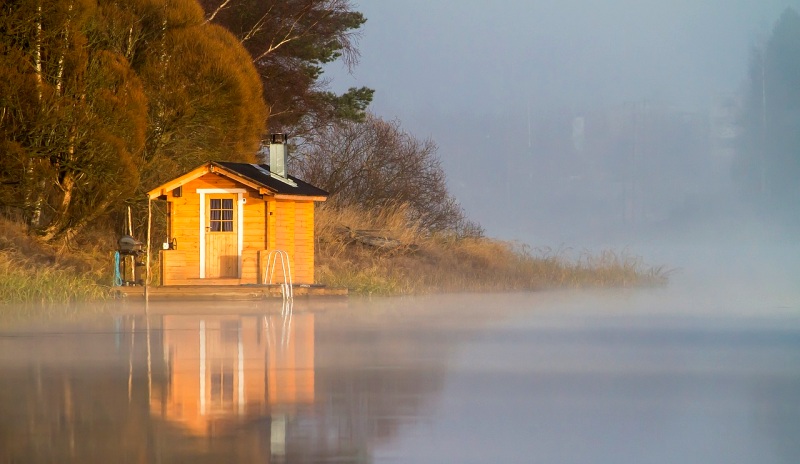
(304, 241)
(293, 234)
(253, 236)
(267, 224)
(184, 222)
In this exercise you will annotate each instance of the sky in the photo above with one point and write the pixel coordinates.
(476, 56)
(452, 71)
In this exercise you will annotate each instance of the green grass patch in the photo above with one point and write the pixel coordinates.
(44, 274)
(21, 282)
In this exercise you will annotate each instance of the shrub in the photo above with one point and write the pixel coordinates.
(375, 165)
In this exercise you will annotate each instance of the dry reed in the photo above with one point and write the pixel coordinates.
(35, 272)
(412, 262)
(418, 262)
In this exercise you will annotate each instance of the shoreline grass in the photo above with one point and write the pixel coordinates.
(23, 283)
(38, 273)
(416, 262)
(420, 262)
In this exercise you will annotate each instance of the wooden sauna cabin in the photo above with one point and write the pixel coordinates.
(225, 219)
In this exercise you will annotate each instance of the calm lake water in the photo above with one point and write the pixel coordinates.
(648, 376)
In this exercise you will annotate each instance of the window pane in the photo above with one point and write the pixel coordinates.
(220, 215)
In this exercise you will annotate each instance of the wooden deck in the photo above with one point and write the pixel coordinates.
(226, 292)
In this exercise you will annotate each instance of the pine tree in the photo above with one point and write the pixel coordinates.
(289, 42)
(768, 162)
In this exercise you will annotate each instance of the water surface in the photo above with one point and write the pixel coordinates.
(648, 376)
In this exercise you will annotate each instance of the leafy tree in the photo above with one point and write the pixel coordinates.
(207, 101)
(103, 99)
(289, 42)
(768, 163)
(376, 164)
(73, 117)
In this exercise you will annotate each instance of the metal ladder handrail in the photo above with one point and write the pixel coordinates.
(286, 268)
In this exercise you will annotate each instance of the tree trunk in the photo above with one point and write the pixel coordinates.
(33, 194)
(61, 217)
(61, 59)
(37, 50)
(67, 228)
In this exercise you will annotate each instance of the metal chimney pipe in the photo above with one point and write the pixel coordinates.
(277, 154)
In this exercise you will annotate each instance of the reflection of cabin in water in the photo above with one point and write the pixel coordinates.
(227, 368)
(223, 219)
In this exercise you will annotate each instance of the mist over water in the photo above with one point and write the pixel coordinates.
(691, 374)
(618, 390)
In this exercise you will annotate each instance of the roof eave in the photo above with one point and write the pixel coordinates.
(284, 196)
(252, 183)
(215, 167)
(163, 189)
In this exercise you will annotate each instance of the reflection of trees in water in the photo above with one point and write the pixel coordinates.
(360, 409)
(88, 397)
(67, 398)
(370, 382)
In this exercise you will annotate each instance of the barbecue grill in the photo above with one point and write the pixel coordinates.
(129, 261)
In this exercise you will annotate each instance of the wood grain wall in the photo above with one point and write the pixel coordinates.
(269, 224)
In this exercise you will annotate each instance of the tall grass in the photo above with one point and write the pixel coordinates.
(35, 272)
(416, 262)
(443, 262)
(20, 282)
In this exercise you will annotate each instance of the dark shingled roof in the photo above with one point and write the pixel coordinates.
(259, 173)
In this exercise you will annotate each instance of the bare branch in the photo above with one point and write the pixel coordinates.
(258, 26)
(373, 163)
(221, 7)
(290, 35)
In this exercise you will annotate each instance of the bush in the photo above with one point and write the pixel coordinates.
(375, 165)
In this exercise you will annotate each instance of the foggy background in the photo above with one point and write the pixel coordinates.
(578, 124)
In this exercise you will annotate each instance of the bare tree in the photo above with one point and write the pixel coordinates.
(375, 164)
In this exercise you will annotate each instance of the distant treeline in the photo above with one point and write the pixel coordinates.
(767, 165)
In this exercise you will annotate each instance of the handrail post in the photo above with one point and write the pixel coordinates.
(286, 268)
